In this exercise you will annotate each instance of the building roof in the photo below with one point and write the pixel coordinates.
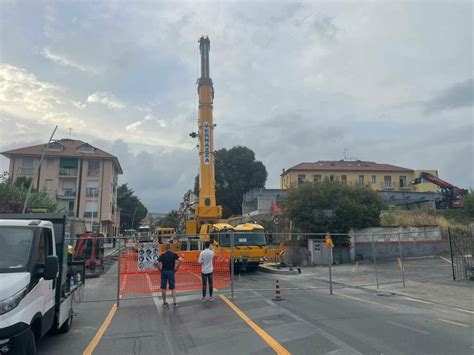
(345, 165)
(65, 148)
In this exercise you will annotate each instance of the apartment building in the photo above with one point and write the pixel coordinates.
(380, 177)
(80, 177)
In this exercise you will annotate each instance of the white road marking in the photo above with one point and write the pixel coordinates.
(407, 327)
(455, 323)
(464, 310)
(417, 300)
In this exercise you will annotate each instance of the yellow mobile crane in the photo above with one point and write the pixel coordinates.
(207, 211)
(207, 222)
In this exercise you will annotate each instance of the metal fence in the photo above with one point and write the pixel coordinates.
(122, 268)
(461, 246)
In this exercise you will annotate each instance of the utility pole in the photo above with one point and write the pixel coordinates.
(36, 171)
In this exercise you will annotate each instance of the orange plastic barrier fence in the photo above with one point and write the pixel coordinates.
(188, 277)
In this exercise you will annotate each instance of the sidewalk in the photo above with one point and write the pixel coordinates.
(454, 293)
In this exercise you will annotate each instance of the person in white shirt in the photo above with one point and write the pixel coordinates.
(205, 259)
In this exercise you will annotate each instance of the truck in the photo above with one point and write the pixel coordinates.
(39, 281)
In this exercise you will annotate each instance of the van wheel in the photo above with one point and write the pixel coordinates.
(67, 325)
(30, 343)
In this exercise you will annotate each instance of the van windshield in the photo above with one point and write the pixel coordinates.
(15, 247)
(252, 238)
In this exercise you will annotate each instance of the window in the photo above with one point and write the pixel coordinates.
(387, 182)
(403, 181)
(45, 246)
(48, 185)
(55, 146)
(374, 179)
(331, 177)
(27, 162)
(361, 180)
(93, 167)
(91, 209)
(85, 148)
(27, 166)
(92, 189)
(301, 179)
(344, 179)
(317, 178)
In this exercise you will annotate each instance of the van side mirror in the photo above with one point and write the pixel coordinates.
(51, 267)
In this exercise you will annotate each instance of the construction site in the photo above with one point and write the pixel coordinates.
(369, 291)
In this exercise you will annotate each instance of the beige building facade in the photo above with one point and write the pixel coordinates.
(380, 177)
(81, 178)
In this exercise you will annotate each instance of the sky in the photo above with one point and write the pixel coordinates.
(390, 82)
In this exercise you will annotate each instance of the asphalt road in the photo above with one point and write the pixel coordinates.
(308, 321)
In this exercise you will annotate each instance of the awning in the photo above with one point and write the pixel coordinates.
(68, 163)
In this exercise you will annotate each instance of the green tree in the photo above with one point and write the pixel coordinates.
(332, 206)
(171, 220)
(23, 182)
(132, 210)
(12, 197)
(237, 172)
(469, 204)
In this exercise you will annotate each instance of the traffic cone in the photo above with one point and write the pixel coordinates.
(277, 292)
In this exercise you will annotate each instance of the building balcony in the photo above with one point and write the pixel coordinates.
(67, 172)
(26, 171)
(66, 193)
(92, 192)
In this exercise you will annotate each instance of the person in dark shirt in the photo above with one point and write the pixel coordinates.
(168, 263)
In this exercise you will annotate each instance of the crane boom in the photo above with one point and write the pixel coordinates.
(452, 195)
(207, 211)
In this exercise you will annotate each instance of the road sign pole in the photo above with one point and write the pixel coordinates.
(402, 266)
(118, 274)
(231, 264)
(375, 261)
(330, 272)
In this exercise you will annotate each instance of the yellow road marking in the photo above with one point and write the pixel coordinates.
(400, 264)
(355, 267)
(447, 260)
(455, 323)
(358, 299)
(100, 332)
(279, 349)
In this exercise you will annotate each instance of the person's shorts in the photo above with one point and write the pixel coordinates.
(167, 276)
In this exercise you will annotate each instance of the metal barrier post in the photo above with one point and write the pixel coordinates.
(451, 253)
(330, 273)
(375, 260)
(232, 264)
(400, 259)
(118, 273)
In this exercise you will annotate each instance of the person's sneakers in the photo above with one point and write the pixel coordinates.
(175, 305)
(165, 305)
(203, 299)
(211, 299)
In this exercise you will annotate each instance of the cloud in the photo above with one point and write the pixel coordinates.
(459, 95)
(66, 62)
(63, 118)
(149, 122)
(106, 99)
(18, 87)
